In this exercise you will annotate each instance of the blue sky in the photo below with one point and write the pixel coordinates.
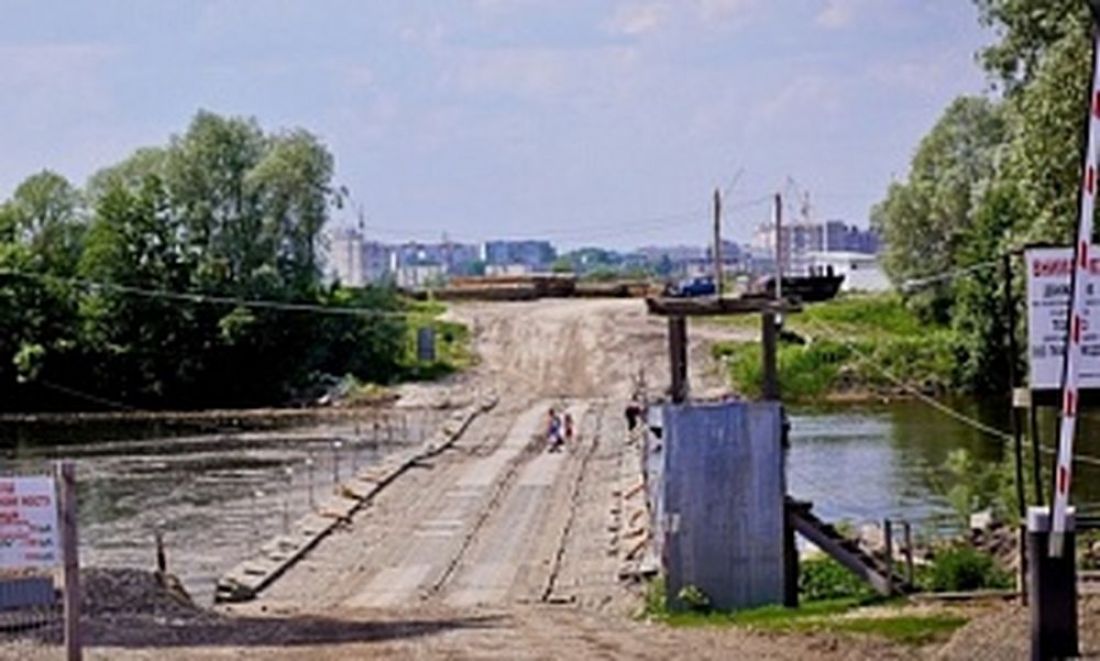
(588, 121)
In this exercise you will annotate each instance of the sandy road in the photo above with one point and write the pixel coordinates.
(496, 548)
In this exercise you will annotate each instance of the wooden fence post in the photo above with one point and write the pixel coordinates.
(66, 477)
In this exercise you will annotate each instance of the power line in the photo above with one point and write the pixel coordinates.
(209, 299)
(916, 283)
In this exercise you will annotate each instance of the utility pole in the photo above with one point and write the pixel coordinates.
(778, 246)
(717, 243)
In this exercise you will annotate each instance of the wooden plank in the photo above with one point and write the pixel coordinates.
(712, 307)
(805, 527)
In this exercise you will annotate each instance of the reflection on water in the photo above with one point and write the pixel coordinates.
(866, 463)
(216, 497)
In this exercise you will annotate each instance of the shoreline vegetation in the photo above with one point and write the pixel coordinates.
(853, 349)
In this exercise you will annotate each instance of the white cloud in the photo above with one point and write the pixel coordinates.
(723, 10)
(542, 73)
(837, 14)
(808, 98)
(639, 18)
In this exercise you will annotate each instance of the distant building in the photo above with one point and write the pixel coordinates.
(799, 239)
(346, 257)
(861, 271)
(535, 254)
(496, 270)
(422, 275)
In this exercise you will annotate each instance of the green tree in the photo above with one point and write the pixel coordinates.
(41, 230)
(925, 220)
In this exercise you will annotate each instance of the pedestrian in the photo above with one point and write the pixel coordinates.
(568, 430)
(633, 414)
(553, 431)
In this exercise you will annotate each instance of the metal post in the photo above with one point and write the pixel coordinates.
(1014, 413)
(289, 472)
(1036, 452)
(1010, 337)
(336, 462)
(1053, 588)
(678, 357)
(309, 470)
(888, 535)
(66, 476)
(907, 534)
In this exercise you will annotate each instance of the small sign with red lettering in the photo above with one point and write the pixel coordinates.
(1048, 271)
(28, 523)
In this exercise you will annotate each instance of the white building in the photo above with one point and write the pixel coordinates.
(356, 262)
(861, 271)
(419, 276)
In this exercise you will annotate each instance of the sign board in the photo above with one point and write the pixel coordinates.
(28, 523)
(1048, 273)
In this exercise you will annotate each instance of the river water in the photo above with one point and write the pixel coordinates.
(863, 463)
(216, 495)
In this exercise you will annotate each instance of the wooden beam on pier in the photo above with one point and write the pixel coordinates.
(714, 307)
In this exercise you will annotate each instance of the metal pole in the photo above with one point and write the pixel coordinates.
(907, 533)
(66, 476)
(309, 470)
(717, 243)
(888, 534)
(1017, 432)
(336, 462)
(1036, 451)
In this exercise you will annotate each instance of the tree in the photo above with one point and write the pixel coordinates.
(41, 230)
(925, 219)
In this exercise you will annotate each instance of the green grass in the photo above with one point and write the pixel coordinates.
(840, 616)
(854, 344)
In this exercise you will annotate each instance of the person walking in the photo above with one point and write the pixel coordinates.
(568, 430)
(553, 431)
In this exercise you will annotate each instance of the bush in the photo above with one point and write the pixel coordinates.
(824, 578)
(963, 568)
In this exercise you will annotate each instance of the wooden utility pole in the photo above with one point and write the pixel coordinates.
(778, 246)
(678, 357)
(717, 243)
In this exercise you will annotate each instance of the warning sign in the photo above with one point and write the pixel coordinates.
(28, 523)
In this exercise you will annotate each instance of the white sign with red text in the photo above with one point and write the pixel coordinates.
(1048, 272)
(28, 523)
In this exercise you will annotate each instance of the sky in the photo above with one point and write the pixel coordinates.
(587, 122)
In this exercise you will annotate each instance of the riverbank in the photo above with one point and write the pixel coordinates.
(853, 348)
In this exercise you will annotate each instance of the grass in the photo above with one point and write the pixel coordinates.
(831, 601)
(853, 345)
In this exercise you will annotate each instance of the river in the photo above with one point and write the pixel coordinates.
(863, 463)
(216, 495)
(213, 495)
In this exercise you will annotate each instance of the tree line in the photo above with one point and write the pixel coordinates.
(996, 173)
(89, 315)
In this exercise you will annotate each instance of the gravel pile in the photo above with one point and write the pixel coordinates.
(109, 592)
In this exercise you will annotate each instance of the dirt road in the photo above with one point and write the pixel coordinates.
(496, 548)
